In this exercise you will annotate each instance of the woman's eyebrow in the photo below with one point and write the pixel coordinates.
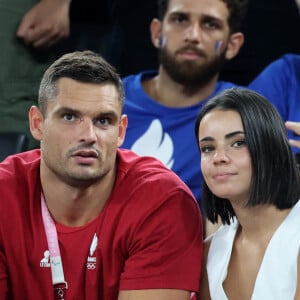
(231, 134)
(227, 136)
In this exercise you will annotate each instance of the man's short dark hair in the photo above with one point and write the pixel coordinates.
(83, 66)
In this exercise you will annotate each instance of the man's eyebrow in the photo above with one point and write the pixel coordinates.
(66, 109)
(104, 114)
(207, 17)
(179, 14)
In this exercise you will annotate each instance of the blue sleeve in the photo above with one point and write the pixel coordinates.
(274, 83)
(280, 83)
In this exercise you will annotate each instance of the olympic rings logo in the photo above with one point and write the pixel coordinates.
(91, 266)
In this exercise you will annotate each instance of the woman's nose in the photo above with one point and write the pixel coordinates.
(221, 156)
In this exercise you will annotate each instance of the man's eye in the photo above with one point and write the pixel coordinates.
(211, 24)
(69, 117)
(102, 122)
(179, 18)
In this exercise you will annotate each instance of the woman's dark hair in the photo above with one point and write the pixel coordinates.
(275, 175)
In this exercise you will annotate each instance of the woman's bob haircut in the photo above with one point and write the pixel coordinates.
(275, 175)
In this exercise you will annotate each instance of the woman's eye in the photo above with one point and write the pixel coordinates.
(239, 144)
(206, 149)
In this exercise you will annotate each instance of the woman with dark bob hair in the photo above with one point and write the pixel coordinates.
(252, 184)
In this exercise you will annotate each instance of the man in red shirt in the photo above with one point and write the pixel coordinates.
(82, 218)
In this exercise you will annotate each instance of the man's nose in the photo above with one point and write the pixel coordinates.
(193, 32)
(87, 130)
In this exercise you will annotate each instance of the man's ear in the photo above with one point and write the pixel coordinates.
(236, 41)
(36, 122)
(155, 29)
(122, 129)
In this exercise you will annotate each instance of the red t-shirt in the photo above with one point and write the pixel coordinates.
(148, 235)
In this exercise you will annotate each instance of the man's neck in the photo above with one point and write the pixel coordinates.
(74, 210)
(166, 91)
(76, 206)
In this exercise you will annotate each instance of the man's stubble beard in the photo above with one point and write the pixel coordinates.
(189, 73)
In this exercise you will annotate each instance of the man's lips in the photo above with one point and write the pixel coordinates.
(190, 53)
(85, 157)
(86, 153)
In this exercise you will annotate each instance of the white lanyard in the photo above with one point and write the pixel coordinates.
(55, 258)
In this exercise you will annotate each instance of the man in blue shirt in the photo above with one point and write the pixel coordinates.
(195, 38)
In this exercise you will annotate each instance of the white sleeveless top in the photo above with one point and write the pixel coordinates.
(277, 275)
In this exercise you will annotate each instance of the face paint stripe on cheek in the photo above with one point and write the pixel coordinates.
(218, 47)
(162, 41)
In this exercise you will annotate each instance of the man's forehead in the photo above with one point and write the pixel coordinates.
(214, 8)
(83, 96)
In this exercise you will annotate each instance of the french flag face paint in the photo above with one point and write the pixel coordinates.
(218, 47)
(162, 41)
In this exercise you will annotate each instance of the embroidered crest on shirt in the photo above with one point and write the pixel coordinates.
(92, 260)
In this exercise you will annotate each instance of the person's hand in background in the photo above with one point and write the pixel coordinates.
(295, 127)
(46, 23)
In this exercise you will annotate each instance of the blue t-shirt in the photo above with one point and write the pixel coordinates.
(279, 82)
(164, 132)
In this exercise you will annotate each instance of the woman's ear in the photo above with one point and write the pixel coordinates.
(236, 41)
(36, 120)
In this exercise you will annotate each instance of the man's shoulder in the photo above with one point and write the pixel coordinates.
(129, 160)
(286, 66)
(20, 165)
(19, 181)
(141, 75)
(145, 180)
(148, 168)
(288, 58)
(135, 80)
(224, 85)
